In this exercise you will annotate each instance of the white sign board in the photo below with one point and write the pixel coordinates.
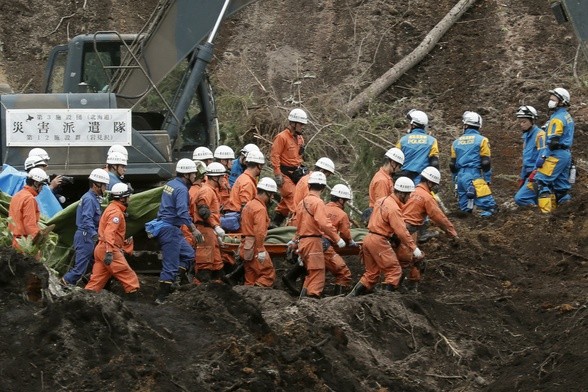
(68, 127)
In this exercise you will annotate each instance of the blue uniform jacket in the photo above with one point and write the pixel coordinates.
(236, 170)
(417, 147)
(88, 213)
(533, 148)
(175, 204)
(114, 179)
(468, 150)
(561, 124)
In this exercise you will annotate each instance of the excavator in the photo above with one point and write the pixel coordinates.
(148, 91)
(575, 12)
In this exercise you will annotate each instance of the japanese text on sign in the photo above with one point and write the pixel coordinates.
(68, 127)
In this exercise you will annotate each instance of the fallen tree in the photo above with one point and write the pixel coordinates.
(415, 57)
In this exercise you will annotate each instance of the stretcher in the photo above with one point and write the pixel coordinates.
(277, 239)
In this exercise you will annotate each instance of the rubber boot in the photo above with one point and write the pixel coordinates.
(163, 293)
(338, 289)
(290, 278)
(181, 278)
(358, 290)
(236, 276)
(132, 296)
(389, 287)
(304, 294)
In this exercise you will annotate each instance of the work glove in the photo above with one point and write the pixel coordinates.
(341, 243)
(540, 162)
(353, 244)
(108, 258)
(532, 176)
(197, 235)
(220, 233)
(261, 256)
(418, 254)
(279, 179)
(129, 240)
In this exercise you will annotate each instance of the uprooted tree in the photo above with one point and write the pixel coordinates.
(427, 44)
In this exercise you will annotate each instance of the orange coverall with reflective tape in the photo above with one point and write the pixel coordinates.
(254, 224)
(378, 255)
(334, 263)
(380, 186)
(25, 214)
(111, 238)
(286, 151)
(208, 255)
(420, 205)
(243, 191)
(312, 224)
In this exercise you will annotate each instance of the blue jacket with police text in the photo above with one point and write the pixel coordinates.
(175, 204)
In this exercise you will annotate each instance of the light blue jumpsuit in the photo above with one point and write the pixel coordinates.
(418, 148)
(533, 148)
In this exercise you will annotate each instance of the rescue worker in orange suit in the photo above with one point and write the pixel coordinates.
(193, 191)
(312, 225)
(24, 210)
(109, 259)
(383, 181)
(419, 206)
(245, 188)
(286, 157)
(209, 263)
(259, 269)
(325, 165)
(173, 213)
(378, 255)
(333, 262)
(224, 155)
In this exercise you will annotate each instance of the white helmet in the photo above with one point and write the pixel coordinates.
(224, 152)
(118, 148)
(185, 166)
(326, 164)
(472, 118)
(432, 174)
(404, 184)
(562, 94)
(202, 153)
(120, 190)
(248, 148)
(99, 175)
(418, 118)
(38, 175)
(298, 115)
(33, 161)
(255, 156)
(267, 184)
(341, 191)
(40, 153)
(317, 177)
(215, 169)
(116, 158)
(527, 111)
(396, 155)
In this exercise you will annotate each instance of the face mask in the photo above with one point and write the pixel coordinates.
(551, 104)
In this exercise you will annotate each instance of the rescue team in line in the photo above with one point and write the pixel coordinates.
(215, 193)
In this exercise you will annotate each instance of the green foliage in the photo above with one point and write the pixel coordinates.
(44, 248)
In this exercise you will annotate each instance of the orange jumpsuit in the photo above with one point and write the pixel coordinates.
(243, 191)
(312, 224)
(286, 151)
(300, 192)
(208, 255)
(25, 214)
(186, 231)
(420, 205)
(380, 186)
(111, 238)
(254, 224)
(378, 256)
(224, 191)
(334, 263)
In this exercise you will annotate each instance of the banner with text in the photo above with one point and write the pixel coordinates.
(68, 127)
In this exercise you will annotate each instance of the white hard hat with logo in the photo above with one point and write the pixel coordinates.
(326, 164)
(298, 115)
(40, 153)
(472, 118)
(432, 174)
(34, 161)
(341, 191)
(186, 166)
(318, 178)
(38, 175)
(418, 118)
(120, 190)
(404, 184)
(100, 175)
(267, 184)
(202, 154)
(396, 155)
(224, 152)
(562, 94)
(255, 156)
(116, 158)
(118, 148)
(215, 169)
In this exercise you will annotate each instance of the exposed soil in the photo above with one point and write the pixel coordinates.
(503, 309)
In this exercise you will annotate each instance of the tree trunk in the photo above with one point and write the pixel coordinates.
(394, 73)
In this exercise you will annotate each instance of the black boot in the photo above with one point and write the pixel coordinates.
(203, 276)
(236, 276)
(133, 296)
(359, 289)
(389, 287)
(181, 277)
(338, 289)
(304, 294)
(163, 293)
(290, 278)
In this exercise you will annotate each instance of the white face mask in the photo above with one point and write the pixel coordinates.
(551, 104)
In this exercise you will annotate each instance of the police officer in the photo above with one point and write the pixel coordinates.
(420, 149)
(553, 168)
(174, 212)
(471, 167)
